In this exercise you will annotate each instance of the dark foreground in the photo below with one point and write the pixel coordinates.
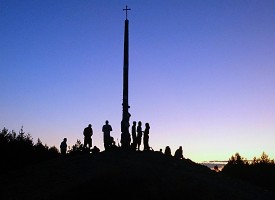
(121, 175)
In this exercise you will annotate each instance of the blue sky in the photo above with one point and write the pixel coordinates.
(202, 73)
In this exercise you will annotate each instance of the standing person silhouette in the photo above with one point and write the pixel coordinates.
(146, 137)
(106, 129)
(63, 147)
(134, 135)
(139, 135)
(88, 132)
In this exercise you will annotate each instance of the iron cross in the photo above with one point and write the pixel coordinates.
(126, 9)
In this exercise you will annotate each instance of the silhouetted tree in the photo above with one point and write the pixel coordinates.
(264, 159)
(261, 171)
(77, 148)
(18, 150)
(237, 160)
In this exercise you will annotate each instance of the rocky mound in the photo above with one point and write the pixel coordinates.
(120, 175)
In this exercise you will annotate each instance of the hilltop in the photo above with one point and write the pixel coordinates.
(133, 175)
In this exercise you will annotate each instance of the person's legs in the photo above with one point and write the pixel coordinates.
(85, 143)
(90, 143)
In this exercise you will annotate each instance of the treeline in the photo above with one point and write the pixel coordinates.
(259, 171)
(18, 150)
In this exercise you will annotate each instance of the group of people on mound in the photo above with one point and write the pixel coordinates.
(178, 153)
(109, 144)
(137, 134)
(108, 140)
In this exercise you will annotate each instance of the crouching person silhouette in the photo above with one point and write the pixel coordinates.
(178, 153)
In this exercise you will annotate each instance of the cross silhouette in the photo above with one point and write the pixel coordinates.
(126, 9)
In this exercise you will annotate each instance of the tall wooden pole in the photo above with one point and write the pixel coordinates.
(125, 123)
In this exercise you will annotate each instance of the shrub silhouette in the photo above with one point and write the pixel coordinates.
(76, 149)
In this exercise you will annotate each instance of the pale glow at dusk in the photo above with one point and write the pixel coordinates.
(202, 73)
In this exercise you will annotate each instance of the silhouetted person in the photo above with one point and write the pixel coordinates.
(95, 150)
(113, 145)
(63, 146)
(106, 129)
(134, 135)
(88, 132)
(216, 168)
(139, 134)
(178, 153)
(146, 137)
(167, 151)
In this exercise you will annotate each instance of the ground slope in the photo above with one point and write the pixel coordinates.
(120, 175)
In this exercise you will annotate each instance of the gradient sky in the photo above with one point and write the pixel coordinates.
(202, 73)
